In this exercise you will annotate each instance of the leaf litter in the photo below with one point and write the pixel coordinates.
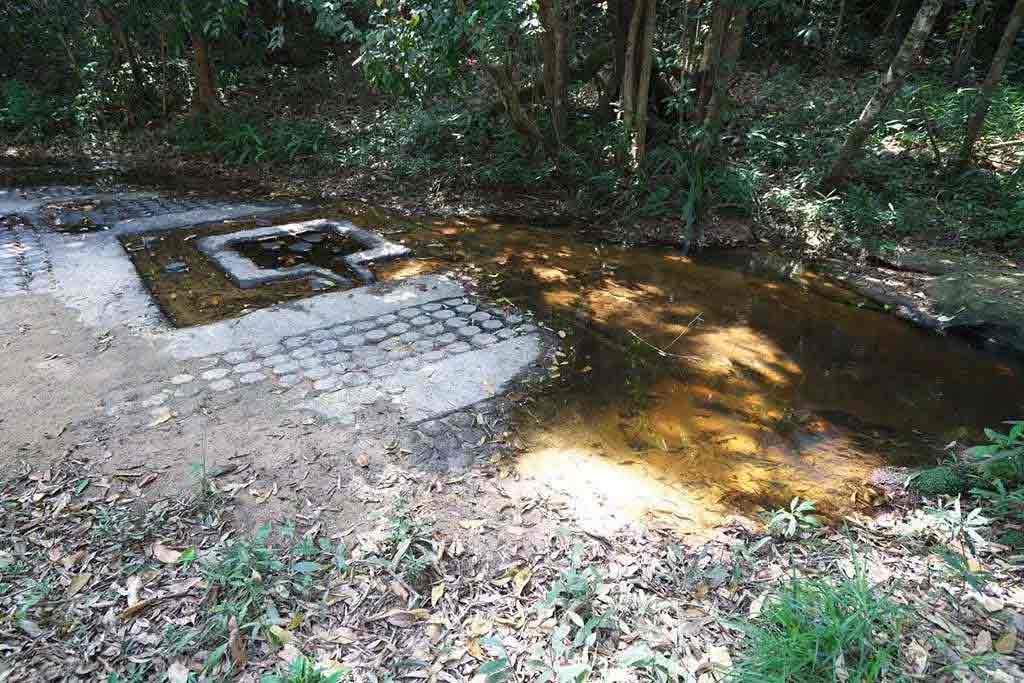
(97, 583)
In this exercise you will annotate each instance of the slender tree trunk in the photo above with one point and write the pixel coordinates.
(205, 100)
(965, 47)
(630, 71)
(995, 74)
(712, 58)
(834, 49)
(639, 151)
(888, 24)
(733, 45)
(508, 91)
(555, 49)
(620, 30)
(891, 83)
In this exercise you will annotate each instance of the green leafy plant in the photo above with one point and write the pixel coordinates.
(821, 630)
(1003, 456)
(1001, 502)
(963, 533)
(302, 670)
(408, 548)
(656, 666)
(798, 518)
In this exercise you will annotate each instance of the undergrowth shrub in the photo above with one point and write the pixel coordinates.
(936, 481)
(237, 139)
(815, 627)
(25, 111)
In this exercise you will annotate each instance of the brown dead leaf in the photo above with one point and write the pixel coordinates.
(983, 643)
(236, 644)
(165, 554)
(78, 583)
(404, 618)
(133, 585)
(436, 593)
(136, 609)
(1007, 643)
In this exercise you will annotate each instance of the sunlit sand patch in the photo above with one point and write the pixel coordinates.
(606, 494)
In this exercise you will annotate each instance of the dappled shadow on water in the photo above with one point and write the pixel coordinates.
(698, 388)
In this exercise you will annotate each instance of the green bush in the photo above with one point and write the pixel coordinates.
(803, 632)
(23, 109)
(238, 138)
(945, 480)
(1014, 539)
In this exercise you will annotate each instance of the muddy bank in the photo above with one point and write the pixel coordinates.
(981, 299)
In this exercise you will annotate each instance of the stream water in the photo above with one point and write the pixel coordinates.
(690, 389)
(698, 387)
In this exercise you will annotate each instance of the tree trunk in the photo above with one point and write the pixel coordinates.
(629, 71)
(733, 44)
(965, 47)
(834, 49)
(555, 49)
(891, 83)
(639, 151)
(620, 30)
(508, 91)
(995, 74)
(205, 100)
(712, 58)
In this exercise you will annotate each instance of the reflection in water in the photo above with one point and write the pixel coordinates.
(693, 388)
(782, 387)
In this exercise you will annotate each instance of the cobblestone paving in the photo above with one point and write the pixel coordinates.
(48, 191)
(109, 211)
(359, 358)
(24, 262)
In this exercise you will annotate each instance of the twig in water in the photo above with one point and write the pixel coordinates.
(664, 351)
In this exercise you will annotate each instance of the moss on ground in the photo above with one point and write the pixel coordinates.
(940, 481)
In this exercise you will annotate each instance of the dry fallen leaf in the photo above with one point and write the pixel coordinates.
(983, 643)
(134, 584)
(1008, 642)
(165, 554)
(236, 644)
(918, 657)
(78, 583)
(177, 673)
(404, 618)
(436, 593)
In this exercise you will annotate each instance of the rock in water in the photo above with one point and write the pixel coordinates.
(176, 268)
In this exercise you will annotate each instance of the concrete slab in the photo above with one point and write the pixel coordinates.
(271, 325)
(448, 386)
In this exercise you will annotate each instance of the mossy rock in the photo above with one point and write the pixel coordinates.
(939, 481)
(1014, 539)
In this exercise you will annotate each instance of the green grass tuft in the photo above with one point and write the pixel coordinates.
(818, 630)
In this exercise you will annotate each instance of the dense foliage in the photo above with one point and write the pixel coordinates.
(630, 107)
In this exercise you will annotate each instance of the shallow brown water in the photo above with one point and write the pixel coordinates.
(690, 389)
(770, 383)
